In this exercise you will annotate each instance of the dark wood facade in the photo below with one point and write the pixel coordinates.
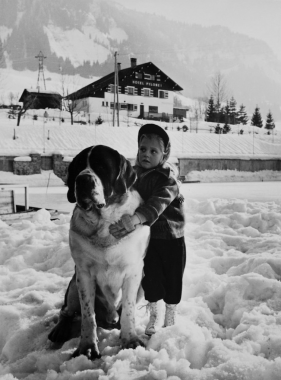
(40, 100)
(140, 77)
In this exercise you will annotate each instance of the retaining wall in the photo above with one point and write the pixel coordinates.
(59, 166)
(187, 165)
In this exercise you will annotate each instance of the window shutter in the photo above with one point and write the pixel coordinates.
(126, 91)
(135, 91)
(142, 92)
(150, 93)
(166, 94)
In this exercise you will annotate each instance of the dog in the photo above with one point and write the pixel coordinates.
(108, 271)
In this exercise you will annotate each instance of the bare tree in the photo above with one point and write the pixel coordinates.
(12, 98)
(29, 102)
(200, 107)
(218, 88)
(69, 87)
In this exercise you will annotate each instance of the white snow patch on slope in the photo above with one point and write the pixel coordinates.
(73, 44)
(4, 33)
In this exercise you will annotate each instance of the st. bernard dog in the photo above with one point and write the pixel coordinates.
(100, 181)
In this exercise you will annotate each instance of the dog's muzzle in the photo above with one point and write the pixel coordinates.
(89, 191)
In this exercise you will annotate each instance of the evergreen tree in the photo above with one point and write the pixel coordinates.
(242, 117)
(256, 118)
(269, 124)
(210, 113)
(232, 111)
(226, 128)
(218, 112)
(218, 129)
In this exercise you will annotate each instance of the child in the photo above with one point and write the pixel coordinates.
(163, 211)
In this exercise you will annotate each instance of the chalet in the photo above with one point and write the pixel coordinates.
(43, 99)
(144, 91)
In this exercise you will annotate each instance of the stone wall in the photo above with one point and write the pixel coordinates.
(28, 167)
(60, 166)
(187, 165)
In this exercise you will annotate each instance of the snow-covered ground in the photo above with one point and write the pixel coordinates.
(50, 136)
(228, 326)
(229, 317)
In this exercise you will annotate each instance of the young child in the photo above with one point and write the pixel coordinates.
(162, 210)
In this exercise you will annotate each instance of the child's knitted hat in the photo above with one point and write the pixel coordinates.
(155, 129)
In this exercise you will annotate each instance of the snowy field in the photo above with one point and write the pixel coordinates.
(47, 136)
(229, 320)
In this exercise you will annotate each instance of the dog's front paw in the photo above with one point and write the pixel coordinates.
(91, 351)
(132, 343)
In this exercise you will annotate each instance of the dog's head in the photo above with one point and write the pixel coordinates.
(96, 174)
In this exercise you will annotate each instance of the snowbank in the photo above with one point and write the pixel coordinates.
(229, 318)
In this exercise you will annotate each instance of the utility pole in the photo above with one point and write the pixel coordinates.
(40, 57)
(114, 102)
(116, 97)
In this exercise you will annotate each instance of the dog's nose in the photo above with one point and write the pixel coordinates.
(100, 205)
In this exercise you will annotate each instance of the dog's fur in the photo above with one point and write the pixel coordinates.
(100, 181)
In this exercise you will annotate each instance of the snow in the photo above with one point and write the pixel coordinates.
(71, 139)
(15, 82)
(229, 317)
(228, 324)
(72, 44)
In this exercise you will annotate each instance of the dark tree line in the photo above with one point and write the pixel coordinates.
(228, 114)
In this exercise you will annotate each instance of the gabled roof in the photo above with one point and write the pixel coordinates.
(109, 79)
(40, 93)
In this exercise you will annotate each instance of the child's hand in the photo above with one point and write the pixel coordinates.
(123, 227)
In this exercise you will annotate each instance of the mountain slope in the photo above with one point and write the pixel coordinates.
(81, 37)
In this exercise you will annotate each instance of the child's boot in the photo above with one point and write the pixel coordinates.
(154, 314)
(170, 314)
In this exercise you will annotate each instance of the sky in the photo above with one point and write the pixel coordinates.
(256, 18)
(228, 324)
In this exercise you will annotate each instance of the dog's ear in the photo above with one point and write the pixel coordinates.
(76, 166)
(126, 177)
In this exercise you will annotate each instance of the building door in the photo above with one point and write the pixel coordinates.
(141, 110)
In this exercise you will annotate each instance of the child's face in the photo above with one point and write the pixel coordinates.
(150, 152)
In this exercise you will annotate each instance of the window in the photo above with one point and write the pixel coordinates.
(123, 106)
(130, 90)
(163, 94)
(132, 107)
(149, 76)
(138, 75)
(111, 88)
(152, 109)
(146, 92)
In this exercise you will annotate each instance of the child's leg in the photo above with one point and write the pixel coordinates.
(174, 268)
(153, 281)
